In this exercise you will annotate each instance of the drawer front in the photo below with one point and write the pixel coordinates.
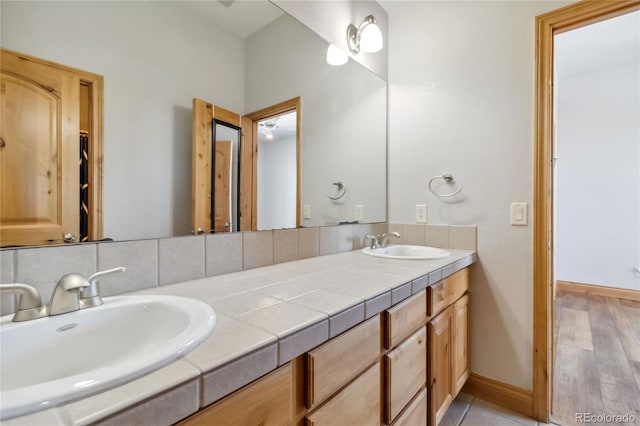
(357, 404)
(333, 364)
(416, 414)
(405, 373)
(447, 291)
(266, 401)
(405, 317)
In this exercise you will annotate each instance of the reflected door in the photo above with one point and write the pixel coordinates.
(39, 174)
(222, 186)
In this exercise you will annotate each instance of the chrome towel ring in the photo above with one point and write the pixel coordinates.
(448, 178)
(341, 188)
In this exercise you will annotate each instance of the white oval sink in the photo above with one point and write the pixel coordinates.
(407, 252)
(61, 358)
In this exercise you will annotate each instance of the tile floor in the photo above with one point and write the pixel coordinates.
(469, 411)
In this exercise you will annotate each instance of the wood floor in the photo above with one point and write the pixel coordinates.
(597, 357)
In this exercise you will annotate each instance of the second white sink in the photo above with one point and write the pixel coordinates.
(61, 358)
(407, 252)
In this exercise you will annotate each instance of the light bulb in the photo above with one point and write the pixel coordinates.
(336, 56)
(371, 38)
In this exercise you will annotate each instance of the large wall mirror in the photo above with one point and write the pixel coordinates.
(156, 56)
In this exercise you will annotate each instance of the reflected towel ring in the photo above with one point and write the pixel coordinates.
(342, 189)
(448, 178)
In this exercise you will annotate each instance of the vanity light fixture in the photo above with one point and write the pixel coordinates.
(367, 37)
(336, 56)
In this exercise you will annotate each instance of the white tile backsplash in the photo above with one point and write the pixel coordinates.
(7, 300)
(180, 259)
(139, 257)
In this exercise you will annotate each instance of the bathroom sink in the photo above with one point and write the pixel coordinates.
(407, 252)
(53, 360)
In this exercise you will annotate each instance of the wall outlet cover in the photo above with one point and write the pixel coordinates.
(421, 213)
(306, 211)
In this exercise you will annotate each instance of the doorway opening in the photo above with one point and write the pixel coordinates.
(547, 27)
(275, 134)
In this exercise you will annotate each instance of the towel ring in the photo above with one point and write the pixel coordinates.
(448, 178)
(342, 189)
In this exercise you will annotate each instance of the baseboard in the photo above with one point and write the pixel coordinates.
(599, 290)
(503, 394)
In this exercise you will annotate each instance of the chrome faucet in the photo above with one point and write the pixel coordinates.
(90, 296)
(29, 304)
(384, 239)
(74, 292)
(65, 296)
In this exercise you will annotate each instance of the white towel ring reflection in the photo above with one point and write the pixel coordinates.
(448, 178)
(341, 188)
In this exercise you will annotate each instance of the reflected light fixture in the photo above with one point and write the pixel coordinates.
(269, 126)
(367, 37)
(335, 56)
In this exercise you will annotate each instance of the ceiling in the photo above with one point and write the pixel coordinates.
(605, 44)
(286, 127)
(240, 17)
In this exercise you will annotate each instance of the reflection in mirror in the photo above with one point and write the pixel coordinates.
(156, 56)
(277, 167)
(225, 196)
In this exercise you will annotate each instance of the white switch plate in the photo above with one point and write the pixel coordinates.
(359, 212)
(519, 214)
(421, 213)
(306, 211)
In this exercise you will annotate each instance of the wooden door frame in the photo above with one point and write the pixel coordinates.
(294, 104)
(96, 131)
(547, 25)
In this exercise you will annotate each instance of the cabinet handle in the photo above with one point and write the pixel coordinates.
(2, 144)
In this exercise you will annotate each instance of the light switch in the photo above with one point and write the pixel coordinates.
(359, 212)
(519, 214)
(306, 211)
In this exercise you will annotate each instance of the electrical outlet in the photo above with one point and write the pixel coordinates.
(359, 212)
(306, 211)
(421, 213)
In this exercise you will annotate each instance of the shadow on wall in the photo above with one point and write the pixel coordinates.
(181, 191)
(492, 315)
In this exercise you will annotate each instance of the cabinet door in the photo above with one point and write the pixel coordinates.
(405, 373)
(416, 412)
(460, 343)
(266, 401)
(440, 377)
(358, 404)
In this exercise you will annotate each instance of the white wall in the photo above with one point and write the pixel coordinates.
(155, 57)
(277, 183)
(333, 100)
(598, 176)
(461, 91)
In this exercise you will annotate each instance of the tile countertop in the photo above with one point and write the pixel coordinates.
(265, 317)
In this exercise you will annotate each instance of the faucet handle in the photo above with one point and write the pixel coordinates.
(374, 240)
(90, 296)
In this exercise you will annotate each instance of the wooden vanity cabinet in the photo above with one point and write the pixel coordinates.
(440, 376)
(448, 342)
(400, 368)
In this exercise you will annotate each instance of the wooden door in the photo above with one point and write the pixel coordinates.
(440, 380)
(39, 173)
(222, 186)
(460, 343)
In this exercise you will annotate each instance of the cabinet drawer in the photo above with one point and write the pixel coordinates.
(405, 373)
(447, 291)
(357, 404)
(403, 318)
(333, 364)
(266, 401)
(416, 414)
